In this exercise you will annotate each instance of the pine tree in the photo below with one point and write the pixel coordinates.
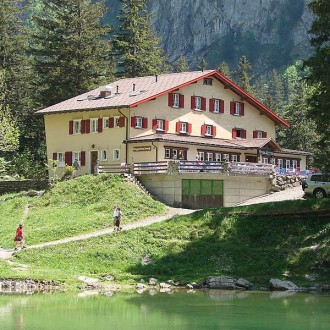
(70, 49)
(136, 45)
(201, 63)
(319, 77)
(181, 64)
(225, 70)
(244, 69)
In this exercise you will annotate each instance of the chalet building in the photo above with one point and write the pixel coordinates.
(165, 129)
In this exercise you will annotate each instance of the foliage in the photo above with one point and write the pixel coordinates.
(181, 64)
(71, 54)
(136, 44)
(256, 242)
(225, 70)
(319, 66)
(201, 63)
(243, 74)
(9, 133)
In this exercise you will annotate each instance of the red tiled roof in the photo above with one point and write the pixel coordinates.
(211, 142)
(130, 92)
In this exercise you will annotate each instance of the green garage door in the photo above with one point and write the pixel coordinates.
(198, 194)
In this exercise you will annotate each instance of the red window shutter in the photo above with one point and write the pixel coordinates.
(214, 131)
(83, 126)
(244, 134)
(242, 109)
(68, 158)
(264, 134)
(233, 133)
(193, 106)
(177, 127)
(71, 127)
(232, 107)
(181, 101)
(154, 124)
(87, 126)
(99, 125)
(211, 105)
(222, 106)
(189, 128)
(166, 125)
(111, 122)
(203, 103)
(83, 158)
(170, 99)
(133, 121)
(54, 155)
(203, 130)
(255, 134)
(144, 122)
(121, 121)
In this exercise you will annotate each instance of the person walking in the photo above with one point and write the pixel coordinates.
(117, 218)
(19, 237)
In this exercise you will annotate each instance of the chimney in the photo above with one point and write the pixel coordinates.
(133, 87)
(105, 91)
(117, 89)
(156, 77)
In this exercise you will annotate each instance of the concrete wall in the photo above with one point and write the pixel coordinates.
(168, 188)
(7, 187)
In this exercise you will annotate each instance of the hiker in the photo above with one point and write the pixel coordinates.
(19, 237)
(117, 218)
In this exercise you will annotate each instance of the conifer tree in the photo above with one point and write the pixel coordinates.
(243, 74)
(319, 78)
(201, 63)
(181, 64)
(136, 44)
(225, 70)
(70, 49)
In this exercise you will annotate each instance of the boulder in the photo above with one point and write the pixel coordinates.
(152, 281)
(223, 282)
(279, 285)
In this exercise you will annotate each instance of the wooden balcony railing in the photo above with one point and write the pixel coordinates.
(183, 166)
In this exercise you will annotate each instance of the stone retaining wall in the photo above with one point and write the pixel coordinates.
(282, 182)
(22, 185)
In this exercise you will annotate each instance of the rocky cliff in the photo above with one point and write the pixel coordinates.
(271, 33)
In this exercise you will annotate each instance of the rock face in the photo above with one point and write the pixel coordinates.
(219, 29)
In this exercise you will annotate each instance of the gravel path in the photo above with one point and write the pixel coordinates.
(288, 194)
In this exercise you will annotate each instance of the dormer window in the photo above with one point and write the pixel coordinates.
(237, 108)
(175, 100)
(208, 130)
(183, 127)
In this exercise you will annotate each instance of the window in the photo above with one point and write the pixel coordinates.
(201, 155)
(216, 106)
(116, 121)
(198, 103)
(167, 153)
(176, 101)
(209, 156)
(280, 163)
(116, 154)
(233, 158)
(93, 125)
(225, 157)
(77, 126)
(138, 122)
(217, 157)
(183, 127)
(237, 108)
(287, 163)
(76, 156)
(265, 160)
(238, 133)
(259, 134)
(208, 129)
(105, 122)
(294, 164)
(160, 125)
(207, 81)
(60, 159)
(104, 155)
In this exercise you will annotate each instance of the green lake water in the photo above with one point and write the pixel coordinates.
(177, 311)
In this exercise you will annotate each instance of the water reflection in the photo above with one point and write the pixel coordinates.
(209, 309)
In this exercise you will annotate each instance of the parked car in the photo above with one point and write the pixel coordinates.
(317, 184)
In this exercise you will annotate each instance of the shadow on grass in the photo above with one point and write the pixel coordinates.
(228, 243)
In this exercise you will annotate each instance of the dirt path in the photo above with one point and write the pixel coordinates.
(288, 194)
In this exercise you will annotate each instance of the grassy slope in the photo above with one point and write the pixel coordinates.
(76, 206)
(254, 242)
